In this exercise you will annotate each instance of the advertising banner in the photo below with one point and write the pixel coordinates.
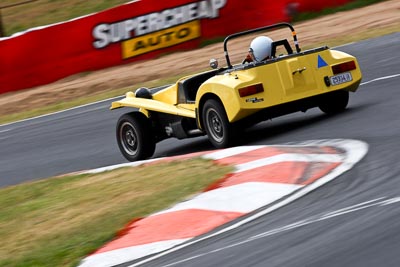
(138, 30)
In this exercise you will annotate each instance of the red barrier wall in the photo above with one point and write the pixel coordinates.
(316, 5)
(136, 31)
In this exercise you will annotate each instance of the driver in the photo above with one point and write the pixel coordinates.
(260, 49)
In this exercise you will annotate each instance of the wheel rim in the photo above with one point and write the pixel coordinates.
(129, 138)
(214, 125)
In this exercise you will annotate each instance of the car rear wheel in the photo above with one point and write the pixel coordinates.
(220, 132)
(135, 137)
(334, 102)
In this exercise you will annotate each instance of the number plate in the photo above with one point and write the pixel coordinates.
(341, 78)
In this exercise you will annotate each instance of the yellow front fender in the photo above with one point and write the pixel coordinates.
(152, 105)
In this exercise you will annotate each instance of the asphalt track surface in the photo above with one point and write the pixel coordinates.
(363, 228)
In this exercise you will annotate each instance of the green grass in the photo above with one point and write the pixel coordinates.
(56, 222)
(44, 12)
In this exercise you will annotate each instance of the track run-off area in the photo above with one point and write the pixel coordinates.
(263, 175)
(350, 221)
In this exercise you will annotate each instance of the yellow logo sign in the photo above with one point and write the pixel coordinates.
(161, 39)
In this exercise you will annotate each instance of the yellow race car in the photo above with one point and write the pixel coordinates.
(224, 101)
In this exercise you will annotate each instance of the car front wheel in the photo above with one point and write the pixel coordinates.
(220, 132)
(135, 137)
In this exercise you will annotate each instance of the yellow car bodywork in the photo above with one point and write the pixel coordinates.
(281, 79)
(222, 102)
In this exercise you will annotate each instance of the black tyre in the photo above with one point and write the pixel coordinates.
(334, 102)
(135, 137)
(220, 132)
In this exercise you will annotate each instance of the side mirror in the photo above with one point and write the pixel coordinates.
(213, 63)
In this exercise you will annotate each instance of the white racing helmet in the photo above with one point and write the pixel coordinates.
(260, 48)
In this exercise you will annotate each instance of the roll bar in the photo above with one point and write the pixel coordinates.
(278, 25)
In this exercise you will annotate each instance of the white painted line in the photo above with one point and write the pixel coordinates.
(118, 256)
(94, 103)
(252, 195)
(122, 165)
(322, 217)
(346, 211)
(314, 219)
(381, 78)
(347, 44)
(355, 151)
(288, 158)
(61, 111)
(229, 152)
(390, 201)
(350, 209)
(6, 130)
